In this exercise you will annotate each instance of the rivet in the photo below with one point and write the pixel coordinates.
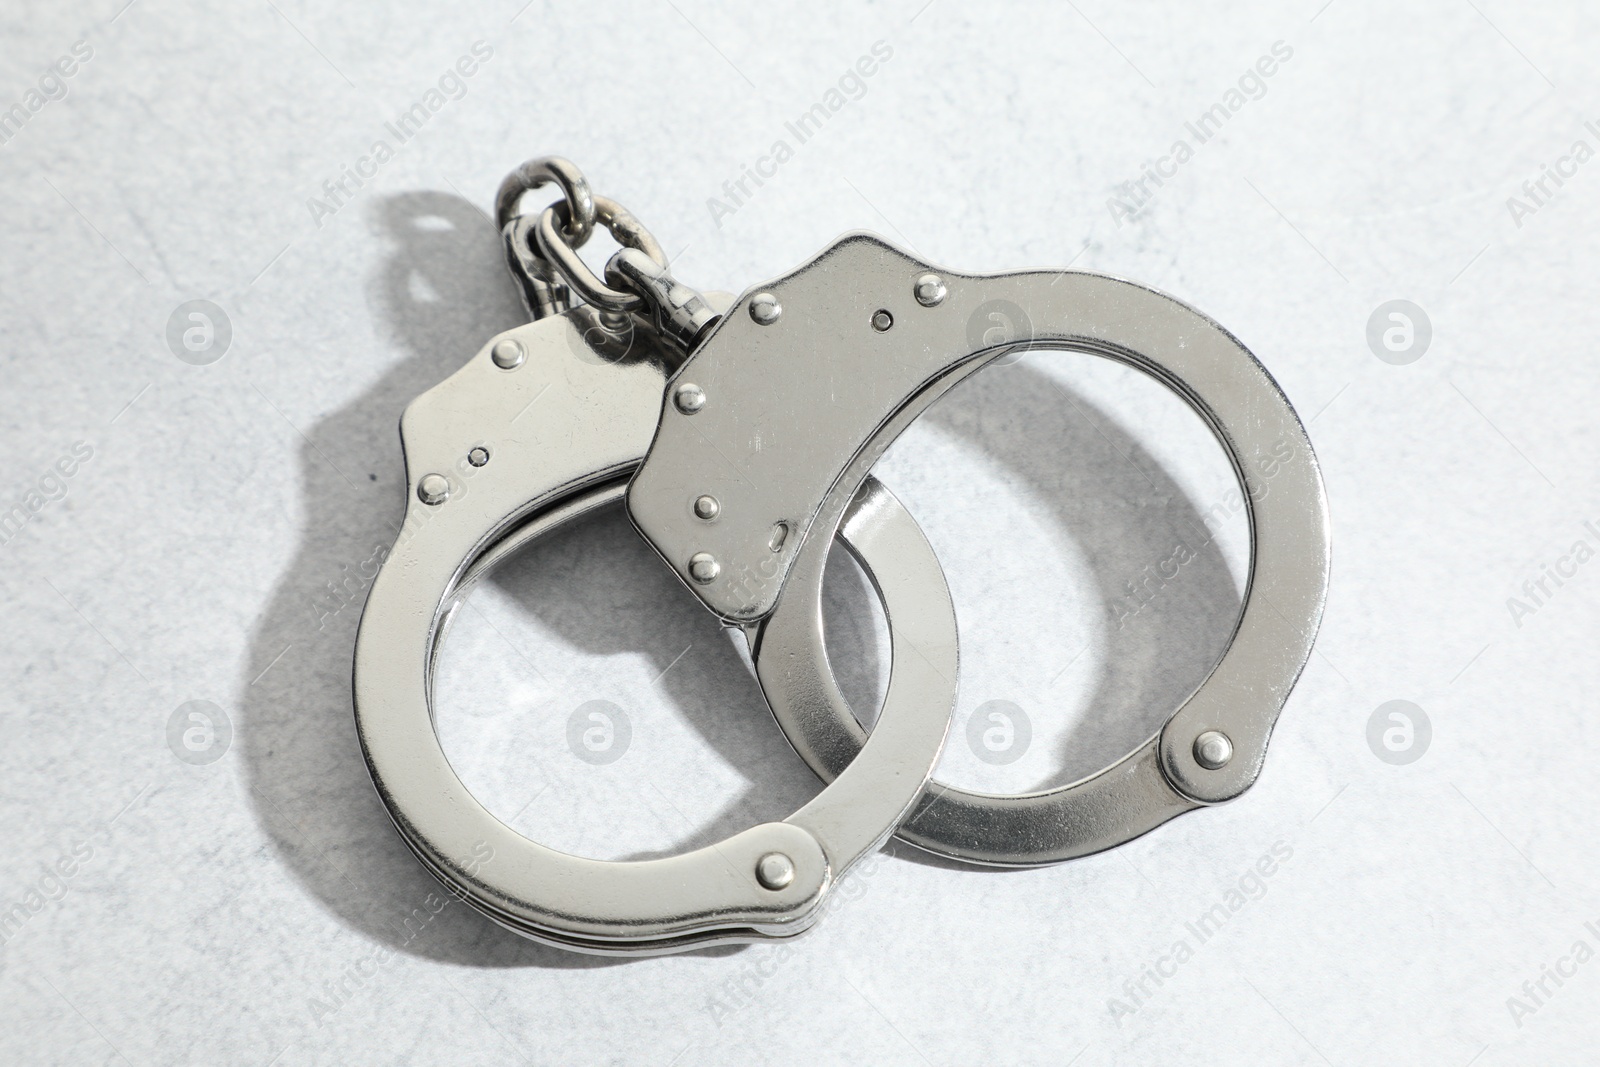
(433, 489)
(929, 290)
(478, 456)
(882, 320)
(706, 507)
(765, 309)
(704, 568)
(780, 534)
(509, 354)
(1213, 750)
(689, 397)
(775, 871)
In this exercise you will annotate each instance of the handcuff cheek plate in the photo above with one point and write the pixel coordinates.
(560, 428)
(793, 408)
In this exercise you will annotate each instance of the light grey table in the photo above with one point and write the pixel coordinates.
(203, 530)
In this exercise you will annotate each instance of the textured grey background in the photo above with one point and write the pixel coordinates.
(249, 909)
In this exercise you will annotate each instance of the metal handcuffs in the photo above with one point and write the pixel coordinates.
(766, 421)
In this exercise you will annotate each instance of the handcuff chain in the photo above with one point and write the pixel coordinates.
(542, 253)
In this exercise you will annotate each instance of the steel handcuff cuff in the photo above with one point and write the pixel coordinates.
(743, 444)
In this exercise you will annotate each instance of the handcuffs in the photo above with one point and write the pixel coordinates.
(741, 433)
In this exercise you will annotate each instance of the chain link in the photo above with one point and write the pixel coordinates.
(542, 252)
(537, 173)
(624, 228)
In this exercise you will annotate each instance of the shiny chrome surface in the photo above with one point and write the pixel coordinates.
(798, 410)
(563, 256)
(547, 170)
(542, 253)
(681, 313)
(763, 452)
(540, 286)
(593, 422)
(543, 291)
